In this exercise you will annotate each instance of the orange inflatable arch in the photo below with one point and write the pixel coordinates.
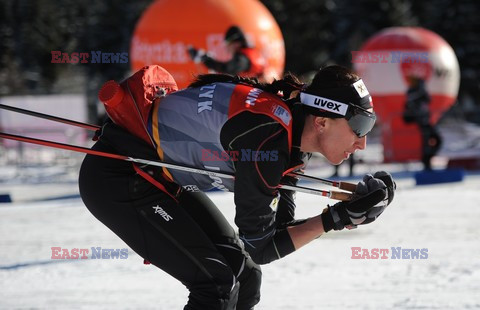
(167, 27)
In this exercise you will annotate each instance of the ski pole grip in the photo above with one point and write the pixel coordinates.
(343, 196)
(351, 187)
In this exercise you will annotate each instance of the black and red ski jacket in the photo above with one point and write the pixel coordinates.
(263, 212)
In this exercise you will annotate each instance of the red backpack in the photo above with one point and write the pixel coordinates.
(128, 104)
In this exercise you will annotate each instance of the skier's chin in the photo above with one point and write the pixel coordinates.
(336, 162)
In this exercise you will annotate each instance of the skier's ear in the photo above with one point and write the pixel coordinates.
(294, 94)
(319, 123)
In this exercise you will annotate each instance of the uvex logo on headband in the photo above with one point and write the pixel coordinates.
(324, 103)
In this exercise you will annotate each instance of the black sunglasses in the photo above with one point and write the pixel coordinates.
(360, 120)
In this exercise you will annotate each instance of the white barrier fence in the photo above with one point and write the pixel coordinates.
(66, 106)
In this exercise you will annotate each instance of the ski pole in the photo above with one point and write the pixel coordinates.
(344, 196)
(340, 184)
(50, 117)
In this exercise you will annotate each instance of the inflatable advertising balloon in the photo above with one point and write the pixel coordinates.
(168, 27)
(386, 62)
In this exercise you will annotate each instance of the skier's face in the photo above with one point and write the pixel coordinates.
(333, 138)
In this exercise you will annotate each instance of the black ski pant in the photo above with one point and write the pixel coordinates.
(189, 238)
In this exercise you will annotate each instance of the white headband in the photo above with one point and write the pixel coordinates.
(323, 103)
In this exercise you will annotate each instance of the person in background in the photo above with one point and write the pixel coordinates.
(246, 60)
(417, 110)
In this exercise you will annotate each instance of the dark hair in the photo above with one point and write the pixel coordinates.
(235, 34)
(282, 88)
(333, 76)
(336, 83)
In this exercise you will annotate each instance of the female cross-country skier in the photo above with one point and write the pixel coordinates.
(258, 132)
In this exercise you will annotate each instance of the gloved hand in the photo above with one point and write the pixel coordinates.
(389, 182)
(195, 54)
(369, 200)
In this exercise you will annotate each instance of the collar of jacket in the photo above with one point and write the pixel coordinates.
(298, 158)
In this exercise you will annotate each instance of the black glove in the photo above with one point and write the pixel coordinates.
(196, 55)
(389, 182)
(368, 202)
(192, 52)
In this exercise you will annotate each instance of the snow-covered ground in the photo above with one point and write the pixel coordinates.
(443, 219)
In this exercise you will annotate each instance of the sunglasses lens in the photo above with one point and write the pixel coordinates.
(362, 123)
